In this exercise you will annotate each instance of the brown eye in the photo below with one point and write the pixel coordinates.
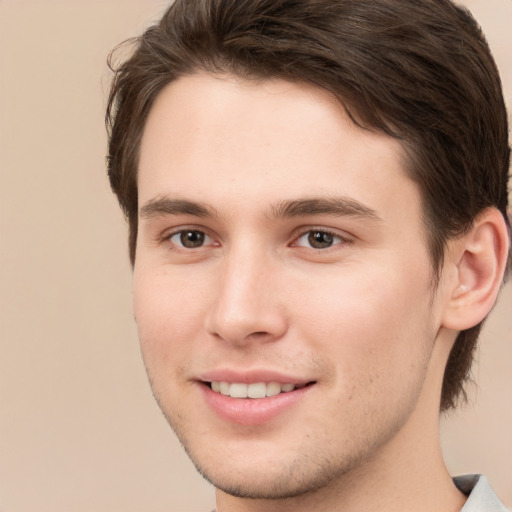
(320, 239)
(192, 239)
(189, 238)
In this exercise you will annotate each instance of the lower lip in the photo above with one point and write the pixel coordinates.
(252, 411)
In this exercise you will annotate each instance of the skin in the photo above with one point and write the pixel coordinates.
(359, 318)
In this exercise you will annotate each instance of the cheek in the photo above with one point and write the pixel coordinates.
(373, 328)
(169, 312)
(377, 341)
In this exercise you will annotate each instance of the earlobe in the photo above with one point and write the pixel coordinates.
(480, 257)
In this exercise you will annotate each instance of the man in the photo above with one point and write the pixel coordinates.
(316, 193)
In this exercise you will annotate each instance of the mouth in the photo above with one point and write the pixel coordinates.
(253, 398)
(256, 390)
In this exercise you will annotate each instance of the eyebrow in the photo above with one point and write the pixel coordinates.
(337, 206)
(167, 206)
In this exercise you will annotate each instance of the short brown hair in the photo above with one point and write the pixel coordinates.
(417, 70)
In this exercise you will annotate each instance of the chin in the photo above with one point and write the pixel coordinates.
(276, 484)
(267, 473)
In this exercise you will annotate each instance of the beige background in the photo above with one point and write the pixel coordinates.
(78, 427)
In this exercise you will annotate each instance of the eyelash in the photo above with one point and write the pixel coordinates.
(335, 236)
(337, 239)
(167, 237)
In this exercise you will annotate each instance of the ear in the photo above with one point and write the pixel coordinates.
(479, 259)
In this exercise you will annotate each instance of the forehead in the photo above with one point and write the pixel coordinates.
(218, 137)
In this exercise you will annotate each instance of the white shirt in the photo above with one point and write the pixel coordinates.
(481, 497)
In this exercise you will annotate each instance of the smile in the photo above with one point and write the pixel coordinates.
(255, 390)
(253, 403)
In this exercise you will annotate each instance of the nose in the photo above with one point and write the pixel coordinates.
(248, 305)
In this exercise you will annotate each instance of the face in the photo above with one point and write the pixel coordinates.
(282, 284)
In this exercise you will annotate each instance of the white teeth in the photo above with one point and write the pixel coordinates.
(224, 388)
(273, 389)
(255, 390)
(238, 390)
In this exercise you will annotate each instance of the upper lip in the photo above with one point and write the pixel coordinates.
(251, 376)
